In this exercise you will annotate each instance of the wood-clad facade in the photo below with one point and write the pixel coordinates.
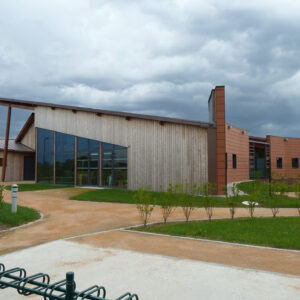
(159, 153)
(144, 149)
(15, 166)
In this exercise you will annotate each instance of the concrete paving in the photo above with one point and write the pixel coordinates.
(150, 276)
(156, 267)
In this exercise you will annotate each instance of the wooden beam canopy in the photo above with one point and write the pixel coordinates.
(6, 143)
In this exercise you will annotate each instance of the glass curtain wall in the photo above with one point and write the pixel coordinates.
(64, 158)
(87, 162)
(114, 165)
(45, 156)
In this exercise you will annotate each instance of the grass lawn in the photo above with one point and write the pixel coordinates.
(263, 190)
(36, 187)
(126, 196)
(280, 232)
(23, 215)
(263, 187)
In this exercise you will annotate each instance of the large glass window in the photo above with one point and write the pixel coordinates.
(64, 158)
(114, 165)
(87, 162)
(45, 155)
(113, 160)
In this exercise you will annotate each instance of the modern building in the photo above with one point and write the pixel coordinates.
(82, 146)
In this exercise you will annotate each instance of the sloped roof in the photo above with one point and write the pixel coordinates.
(24, 130)
(15, 147)
(32, 105)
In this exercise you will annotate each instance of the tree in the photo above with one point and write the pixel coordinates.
(253, 198)
(167, 202)
(207, 190)
(280, 188)
(232, 199)
(186, 200)
(143, 200)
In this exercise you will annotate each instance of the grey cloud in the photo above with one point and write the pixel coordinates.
(164, 58)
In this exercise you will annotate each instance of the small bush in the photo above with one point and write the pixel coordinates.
(1, 195)
(187, 201)
(232, 199)
(167, 201)
(253, 198)
(143, 200)
(207, 190)
(297, 192)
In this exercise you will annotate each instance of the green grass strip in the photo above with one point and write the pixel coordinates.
(23, 215)
(126, 196)
(36, 187)
(283, 232)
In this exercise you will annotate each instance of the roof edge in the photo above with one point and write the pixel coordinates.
(33, 105)
(26, 127)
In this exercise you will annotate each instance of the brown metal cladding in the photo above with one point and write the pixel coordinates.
(219, 95)
(286, 148)
(237, 142)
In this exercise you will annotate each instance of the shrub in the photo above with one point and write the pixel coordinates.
(233, 199)
(187, 201)
(297, 192)
(143, 200)
(253, 198)
(1, 195)
(167, 202)
(207, 190)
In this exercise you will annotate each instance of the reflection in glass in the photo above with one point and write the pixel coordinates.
(45, 156)
(64, 158)
(114, 165)
(87, 162)
(114, 160)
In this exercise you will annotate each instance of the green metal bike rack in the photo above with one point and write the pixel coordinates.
(39, 284)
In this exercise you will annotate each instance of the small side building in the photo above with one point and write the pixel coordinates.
(21, 161)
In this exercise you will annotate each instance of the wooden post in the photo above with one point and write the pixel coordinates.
(6, 143)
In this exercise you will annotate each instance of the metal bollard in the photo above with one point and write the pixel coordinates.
(14, 198)
(70, 286)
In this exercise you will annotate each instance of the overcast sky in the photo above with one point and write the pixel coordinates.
(156, 57)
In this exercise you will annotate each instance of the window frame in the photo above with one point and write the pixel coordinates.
(234, 161)
(279, 166)
(295, 159)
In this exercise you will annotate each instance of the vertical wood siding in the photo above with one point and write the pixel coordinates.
(157, 154)
(15, 166)
(29, 139)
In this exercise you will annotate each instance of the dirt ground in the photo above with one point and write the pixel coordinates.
(64, 218)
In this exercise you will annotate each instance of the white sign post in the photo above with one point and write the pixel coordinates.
(14, 198)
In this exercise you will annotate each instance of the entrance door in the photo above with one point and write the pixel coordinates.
(29, 167)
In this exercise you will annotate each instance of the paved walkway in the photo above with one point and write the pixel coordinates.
(65, 219)
(150, 276)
